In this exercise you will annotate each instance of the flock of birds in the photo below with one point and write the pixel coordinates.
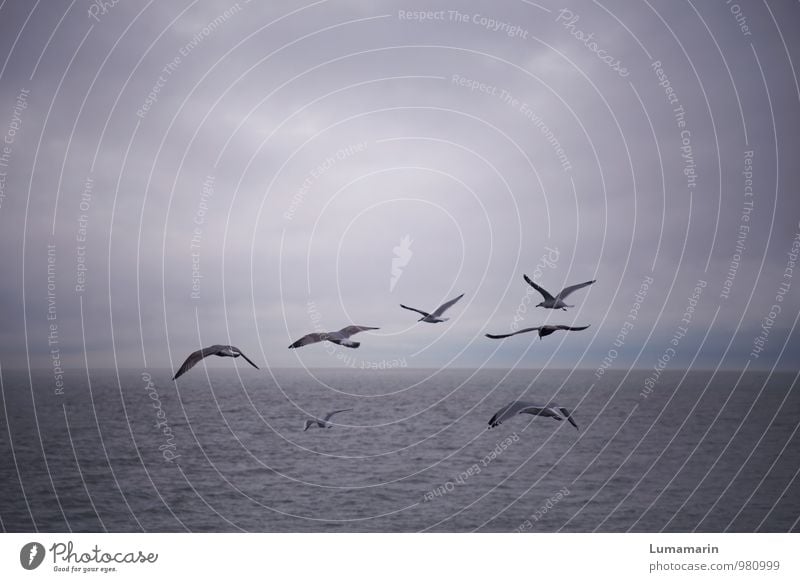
(342, 338)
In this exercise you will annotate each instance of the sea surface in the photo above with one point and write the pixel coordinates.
(223, 450)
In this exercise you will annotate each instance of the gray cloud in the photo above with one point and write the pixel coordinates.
(332, 131)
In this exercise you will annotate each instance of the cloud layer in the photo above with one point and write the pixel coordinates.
(221, 172)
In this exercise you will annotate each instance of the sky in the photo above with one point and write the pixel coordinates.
(176, 175)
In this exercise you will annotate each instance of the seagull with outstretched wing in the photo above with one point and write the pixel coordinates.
(556, 302)
(436, 316)
(542, 329)
(522, 407)
(215, 350)
(341, 337)
(323, 422)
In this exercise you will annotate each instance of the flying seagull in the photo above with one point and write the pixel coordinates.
(522, 407)
(436, 316)
(323, 422)
(542, 329)
(216, 350)
(341, 337)
(556, 302)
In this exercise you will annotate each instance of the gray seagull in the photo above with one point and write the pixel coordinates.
(215, 350)
(521, 407)
(542, 329)
(324, 421)
(556, 302)
(341, 337)
(436, 316)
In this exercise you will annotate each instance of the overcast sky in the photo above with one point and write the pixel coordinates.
(247, 173)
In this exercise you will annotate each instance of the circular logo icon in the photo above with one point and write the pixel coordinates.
(31, 555)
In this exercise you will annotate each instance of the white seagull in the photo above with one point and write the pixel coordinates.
(542, 329)
(341, 337)
(324, 421)
(522, 407)
(556, 302)
(215, 350)
(436, 316)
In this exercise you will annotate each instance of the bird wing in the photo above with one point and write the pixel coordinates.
(445, 306)
(572, 288)
(343, 342)
(568, 328)
(249, 361)
(542, 290)
(354, 329)
(424, 313)
(568, 415)
(501, 336)
(195, 357)
(330, 414)
(537, 410)
(511, 409)
(311, 338)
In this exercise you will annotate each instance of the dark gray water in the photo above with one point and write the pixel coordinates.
(702, 452)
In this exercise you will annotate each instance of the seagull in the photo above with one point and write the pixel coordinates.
(215, 350)
(436, 316)
(522, 407)
(341, 337)
(556, 302)
(323, 423)
(542, 329)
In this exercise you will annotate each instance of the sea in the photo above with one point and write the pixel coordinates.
(223, 449)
